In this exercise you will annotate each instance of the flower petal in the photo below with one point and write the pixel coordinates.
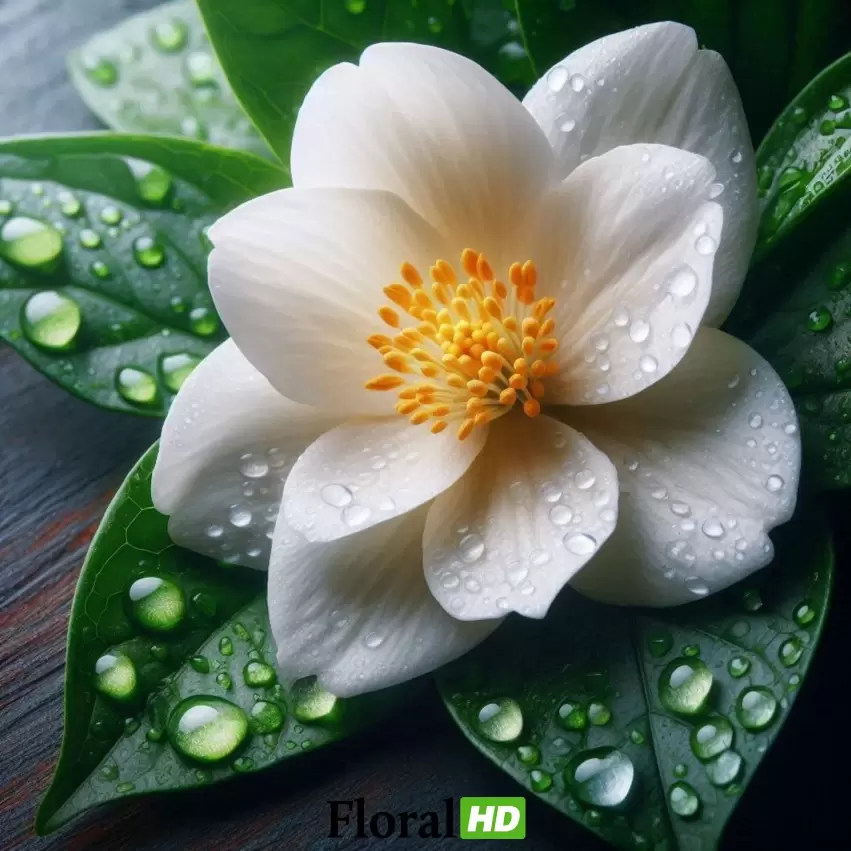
(708, 461)
(433, 127)
(534, 507)
(298, 277)
(227, 446)
(366, 471)
(626, 247)
(357, 613)
(652, 84)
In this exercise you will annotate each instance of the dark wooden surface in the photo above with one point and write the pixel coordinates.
(61, 460)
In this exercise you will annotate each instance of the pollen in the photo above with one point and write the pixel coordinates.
(476, 348)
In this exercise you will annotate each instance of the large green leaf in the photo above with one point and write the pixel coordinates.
(273, 50)
(575, 708)
(156, 73)
(200, 634)
(103, 258)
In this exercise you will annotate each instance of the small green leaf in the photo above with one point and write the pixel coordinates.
(646, 727)
(156, 73)
(273, 50)
(165, 649)
(805, 155)
(103, 259)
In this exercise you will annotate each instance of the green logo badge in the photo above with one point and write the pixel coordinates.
(493, 818)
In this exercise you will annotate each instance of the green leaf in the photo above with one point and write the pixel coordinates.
(156, 73)
(588, 677)
(273, 50)
(806, 154)
(193, 636)
(103, 258)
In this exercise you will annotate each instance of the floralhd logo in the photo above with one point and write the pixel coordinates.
(493, 818)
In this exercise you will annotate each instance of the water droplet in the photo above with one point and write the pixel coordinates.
(312, 703)
(259, 675)
(680, 770)
(683, 800)
(224, 681)
(584, 480)
(240, 516)
(602, 777)
(819, 319)
(738, 666)
(572, 716)
(723, 770)
(705, 245)
(90, 238)
(243, 764)
(713, 528)
(790, 651)
(599, 714)
(159, 651)
(30, 244)
(266, 717)
(682, 281)
(100, 70)
(175, 369)
(201, 664)
(434, 24)
(659, 642)
(685, 685)
(115, 677)
(751, 600)
(557, 78)
(540, 781)
(69, 204)
(200, 68)
(470, 548)
(561, 515)
(136, 385)
(712, 737)
(225, 646)
(681, 335)
(639, 331)
(774, 484)
(648, 364)
(528, 754)
(568, 125)
(355, 7)
(215, 531)
(100, 270)
(756, 708)
(207, 729)
(577, 83)
(580, 545)
(153, 183)
(804, 614)
(203, 321)
(336, 495)
(355, 515)
(148, 252)
(837, 103)
(501, 720)
(51, 320)
(111, 215)
(170, 36)
(157, 604)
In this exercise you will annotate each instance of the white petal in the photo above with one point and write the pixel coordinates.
(537, 503)
(357, 613)
(626, 247)
(297, 276)
(434, 128)
(366, 471)
(227, 446)
(652, 84)
(708, 461)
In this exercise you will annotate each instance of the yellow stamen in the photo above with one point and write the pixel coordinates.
(483, 345)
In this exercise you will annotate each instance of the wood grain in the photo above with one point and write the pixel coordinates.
(60, 461)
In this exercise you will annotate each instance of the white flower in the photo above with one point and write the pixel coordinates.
(475, 351)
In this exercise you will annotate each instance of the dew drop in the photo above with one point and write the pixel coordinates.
(682, 281)
(683, 800)
(602, 777)
(685, 685)
(790, 651)
(724, 769)
(157, 604)
(471, 548)
(580, 545)
(148, 252)
(30, 244)
(100, 70)
(51, 320)
(577, 83)
(756, 708)
(648, 364)
(774, 484)
(265, 717)
(115, 677)
(711, 738)
(259, 675)
(804, 614)
(572, 716)
(240, 516)
(561, 515)
(153, 184)
(207, 729)
(200, 69)
(681, 335)
(713, 528)
(203, 321)
(313, 704)
(176, 368)
(336, 495)
(557, 78)
(639, 331)
(170, 36)
(705, 245)
(500, 720)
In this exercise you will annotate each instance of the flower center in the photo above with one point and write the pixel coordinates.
(480, 346)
